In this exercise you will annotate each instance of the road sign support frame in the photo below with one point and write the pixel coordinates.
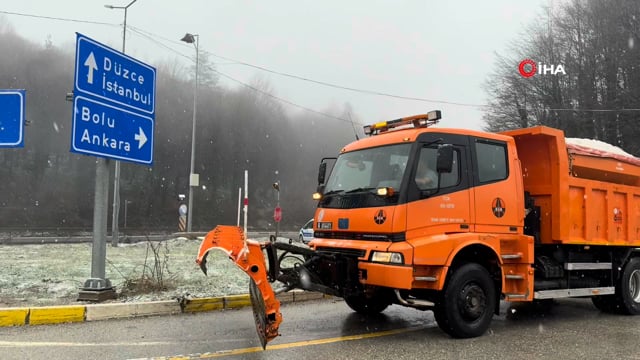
(112, 102)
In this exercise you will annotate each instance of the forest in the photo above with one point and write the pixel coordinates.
(44, 185)
(597, 96)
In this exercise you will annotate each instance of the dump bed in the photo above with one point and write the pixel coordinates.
(586, 195)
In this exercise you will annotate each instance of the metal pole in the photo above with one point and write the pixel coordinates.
(98, 250)
(115, 236)
(193, 142)
(239, 205)
(98, 287)
(126, 203)
(278, 205)
(246, 200)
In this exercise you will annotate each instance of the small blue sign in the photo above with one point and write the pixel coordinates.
(113, 76)
(114, 104)
(12, 105)
(104, 130)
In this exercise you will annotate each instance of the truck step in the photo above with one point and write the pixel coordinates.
(588, 266)
(563, 293)
(426, 278)
(515, 296)
(514, 277)
(511, 256)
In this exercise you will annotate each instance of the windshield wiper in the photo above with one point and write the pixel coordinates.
(332, 192)
(360, 189)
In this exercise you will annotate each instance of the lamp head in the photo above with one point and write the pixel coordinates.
(189, 38)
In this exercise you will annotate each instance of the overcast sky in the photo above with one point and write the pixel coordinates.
(437, 50)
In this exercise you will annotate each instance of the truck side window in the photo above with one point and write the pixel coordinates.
(492, 161)
(426, 177)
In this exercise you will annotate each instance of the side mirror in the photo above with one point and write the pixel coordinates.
(444, 161)
(322, 171)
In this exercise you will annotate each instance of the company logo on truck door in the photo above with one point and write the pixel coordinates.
(498, 207)
(380, 217)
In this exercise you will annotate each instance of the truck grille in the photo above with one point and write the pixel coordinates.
(347, 252)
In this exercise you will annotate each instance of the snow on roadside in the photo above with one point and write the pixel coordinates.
(52, 274)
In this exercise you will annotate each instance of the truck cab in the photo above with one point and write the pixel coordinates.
(399, 237)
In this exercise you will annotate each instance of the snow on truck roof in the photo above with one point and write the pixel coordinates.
(597, 148)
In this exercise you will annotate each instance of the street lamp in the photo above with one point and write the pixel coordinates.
(116, 176)
(124, 30)
(193, 178)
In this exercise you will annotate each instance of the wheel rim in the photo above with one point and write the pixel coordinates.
(634, 286)
(472, 302)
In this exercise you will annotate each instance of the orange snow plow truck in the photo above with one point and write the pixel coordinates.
(455, 220)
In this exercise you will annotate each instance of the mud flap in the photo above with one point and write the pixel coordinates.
(248, 256)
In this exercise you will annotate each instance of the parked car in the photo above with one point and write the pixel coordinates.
(305, 235)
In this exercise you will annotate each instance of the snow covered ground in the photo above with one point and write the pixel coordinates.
(52, 274)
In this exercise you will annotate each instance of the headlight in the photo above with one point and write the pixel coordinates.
(387, 257)
(385, 191)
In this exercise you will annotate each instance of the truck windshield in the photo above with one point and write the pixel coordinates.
(368, 169)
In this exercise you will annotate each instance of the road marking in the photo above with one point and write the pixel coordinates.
(222, 353)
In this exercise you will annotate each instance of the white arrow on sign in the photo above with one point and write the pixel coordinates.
(141, 137)
(91, 65)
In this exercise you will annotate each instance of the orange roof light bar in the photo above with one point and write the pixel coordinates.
(423, 120)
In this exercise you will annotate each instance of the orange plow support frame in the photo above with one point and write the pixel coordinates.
(248, 256)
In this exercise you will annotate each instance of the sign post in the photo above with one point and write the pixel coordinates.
(12, 103)
(113, 118)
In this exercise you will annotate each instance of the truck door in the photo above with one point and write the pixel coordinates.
(443, 206)
(496, 193)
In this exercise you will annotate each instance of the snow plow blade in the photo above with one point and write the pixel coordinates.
(248, 256)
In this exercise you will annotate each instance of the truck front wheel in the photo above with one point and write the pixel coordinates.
(466, 308)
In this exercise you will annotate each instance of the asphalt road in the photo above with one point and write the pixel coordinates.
(571, 329)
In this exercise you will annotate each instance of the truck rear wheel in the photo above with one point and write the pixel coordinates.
(368, 303)
(466, 307)
(628, 290)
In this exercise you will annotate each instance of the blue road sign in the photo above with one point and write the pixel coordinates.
(12, 118)
(114, 104)
(105, 130)
(113, 76)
